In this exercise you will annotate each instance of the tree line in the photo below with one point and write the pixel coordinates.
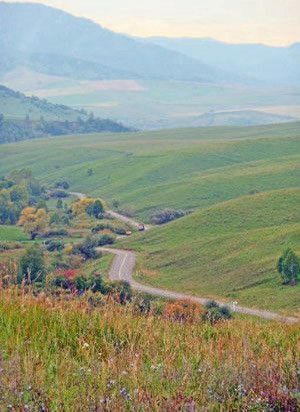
(12, 130)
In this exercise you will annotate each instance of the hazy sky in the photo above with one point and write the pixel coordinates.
(268, 21)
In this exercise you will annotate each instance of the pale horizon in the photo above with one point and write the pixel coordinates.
(274, 23)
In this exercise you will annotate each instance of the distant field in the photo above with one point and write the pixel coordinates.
(229, 250)
(182, 168)
(11, 234)
(156, 103)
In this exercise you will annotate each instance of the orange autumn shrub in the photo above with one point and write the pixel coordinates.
(183, 311)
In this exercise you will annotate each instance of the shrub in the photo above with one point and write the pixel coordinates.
(54, 233)
(106, 240)
(54, 245)
(59, 194)
(182, 311)
(121, 291)
(32, 265)
(167, 215)
(142, 305)
(62, 184)
(96, 209)
(87, 248)
(215, 313)
(120, 231)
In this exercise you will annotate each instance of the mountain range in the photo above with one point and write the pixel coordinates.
(145, 83)
(36, 36)
(264, 63)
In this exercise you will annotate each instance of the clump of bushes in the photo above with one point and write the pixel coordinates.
(54, 245)
(215, 313)
(183, 311)
(106, 226)
(54, 233)
(106, 239)
(59, 194)
(87, 248)
(167, 215)
(62, 184)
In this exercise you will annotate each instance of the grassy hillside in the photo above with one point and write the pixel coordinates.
(240, 182)
(188, 168)
(110, 358)
(229, 250)
(17, 106)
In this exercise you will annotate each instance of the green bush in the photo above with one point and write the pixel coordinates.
(215, 313)
(32, 265)
(54, 245)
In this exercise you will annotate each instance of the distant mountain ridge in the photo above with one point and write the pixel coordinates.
(265, 63)
(37, 35)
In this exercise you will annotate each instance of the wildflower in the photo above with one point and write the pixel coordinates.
(111, 383)
(85, 345)
(125, 394)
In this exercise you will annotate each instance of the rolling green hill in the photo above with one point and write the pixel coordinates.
(240, 182)
(187, 169)
(229, 250)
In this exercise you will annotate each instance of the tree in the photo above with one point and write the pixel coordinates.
(33, 220)
(288, 267)
(95, 209)
(32, 265)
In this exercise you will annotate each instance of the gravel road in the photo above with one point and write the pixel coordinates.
(123, 268)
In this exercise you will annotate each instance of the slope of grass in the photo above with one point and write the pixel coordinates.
(11, 234)
(66, 356)
(229, 250)
(187, 168)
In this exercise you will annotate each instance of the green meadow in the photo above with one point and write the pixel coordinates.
(227, 251)
(188, 168)
(12, 234)
(240, 183)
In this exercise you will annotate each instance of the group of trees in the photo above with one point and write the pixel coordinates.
(92, 207)
(18, 191)
(15, 130)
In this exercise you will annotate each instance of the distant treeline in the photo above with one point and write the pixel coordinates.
(16, 130)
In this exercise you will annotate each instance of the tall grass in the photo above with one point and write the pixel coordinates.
(65, 355)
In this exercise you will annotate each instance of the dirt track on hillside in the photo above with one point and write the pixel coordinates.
(123, 268)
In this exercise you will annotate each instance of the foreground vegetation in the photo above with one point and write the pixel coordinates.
(67, 355)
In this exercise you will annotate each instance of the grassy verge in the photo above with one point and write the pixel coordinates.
(65, 356)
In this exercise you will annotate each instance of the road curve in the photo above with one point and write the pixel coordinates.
(123, 267)
(128, 220)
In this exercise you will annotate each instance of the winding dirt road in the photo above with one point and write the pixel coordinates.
(123, 268)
